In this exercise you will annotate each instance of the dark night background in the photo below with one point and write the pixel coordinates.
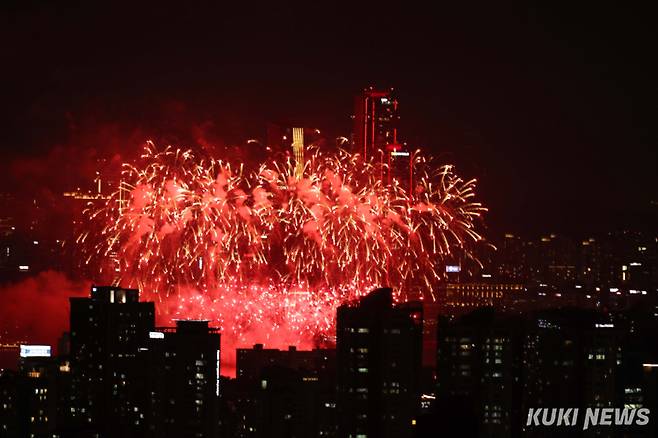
(553, 110)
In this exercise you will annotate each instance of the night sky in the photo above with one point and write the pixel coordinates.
(553, 110)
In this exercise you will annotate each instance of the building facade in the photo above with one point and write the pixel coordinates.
(379, 348)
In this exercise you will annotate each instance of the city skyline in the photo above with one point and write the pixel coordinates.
(116, 373)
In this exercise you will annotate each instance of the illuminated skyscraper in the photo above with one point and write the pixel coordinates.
(285, 142)
(298, 150)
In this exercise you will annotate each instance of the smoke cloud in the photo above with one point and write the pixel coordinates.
(36, 310)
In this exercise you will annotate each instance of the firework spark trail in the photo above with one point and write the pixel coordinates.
(272, 249)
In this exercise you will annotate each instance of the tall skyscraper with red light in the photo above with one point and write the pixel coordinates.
(375, 121)
(375, 135)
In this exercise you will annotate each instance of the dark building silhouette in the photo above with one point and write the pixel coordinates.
(250, 362)
(284, 393)
(477, 365)
(39, 379)
(32, 399)
(379, 349)
(555, 259)
(120, 377)
(511, 263)
(27, 405)
(183, 380)
(107, 391)
(11, 405)
(497, 366)
(623, 260)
